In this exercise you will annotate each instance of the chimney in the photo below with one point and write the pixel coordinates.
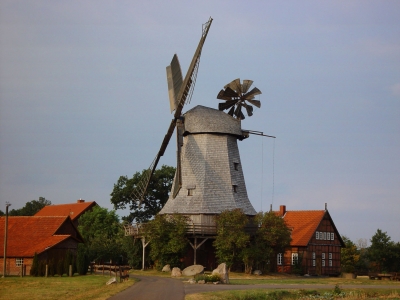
(282, 210)
(80, 201)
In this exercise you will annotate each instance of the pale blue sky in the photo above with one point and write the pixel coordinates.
(83, 98)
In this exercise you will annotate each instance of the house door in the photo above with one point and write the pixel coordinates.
(318, 265)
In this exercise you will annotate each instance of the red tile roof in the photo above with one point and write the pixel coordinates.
(27, 235)
(303, 224)
(74, 210)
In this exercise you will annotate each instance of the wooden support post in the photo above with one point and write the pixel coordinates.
(22, 270)
(70, 271)
(144, 244)
(195, 247)
(47, 271)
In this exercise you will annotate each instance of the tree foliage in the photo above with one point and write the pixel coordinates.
(102, 233)
(383, 253)
(231, 239)
(31, 207)
(350, 256)
(168, 242)
(155, 198)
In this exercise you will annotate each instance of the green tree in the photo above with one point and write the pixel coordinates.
(381, 252)
(349, 256)
(168, 242)
(102, 234)
(232, 239)
(155, 198)
(31, 207)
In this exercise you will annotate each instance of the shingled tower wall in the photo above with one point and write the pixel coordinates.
(212, 175)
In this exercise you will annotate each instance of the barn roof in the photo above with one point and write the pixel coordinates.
(27, 235)
(73, 210)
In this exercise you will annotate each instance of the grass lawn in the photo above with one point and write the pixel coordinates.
(295, 294)
(77, 287)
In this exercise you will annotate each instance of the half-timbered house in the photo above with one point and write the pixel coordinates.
(316, 243)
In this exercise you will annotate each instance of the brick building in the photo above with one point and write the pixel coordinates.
(48, 236)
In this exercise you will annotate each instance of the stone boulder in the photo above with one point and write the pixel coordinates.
(222, 272)
(166, 268)
(257, 272)
(176, 272)
(193, 270)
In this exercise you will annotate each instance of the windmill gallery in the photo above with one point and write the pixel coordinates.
(209, 178)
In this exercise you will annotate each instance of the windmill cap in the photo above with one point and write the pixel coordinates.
(201, 119)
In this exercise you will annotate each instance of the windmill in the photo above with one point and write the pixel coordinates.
(235, 95)
(180, 91)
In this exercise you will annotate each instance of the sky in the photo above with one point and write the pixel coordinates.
(84, 99)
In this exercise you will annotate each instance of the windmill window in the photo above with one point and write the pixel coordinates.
(234, 188)
(236, 166)
(190, 192)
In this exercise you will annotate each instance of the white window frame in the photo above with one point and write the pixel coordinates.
(321, 235)
(19, 262)
(330, 262)
(323, 262)
(279, 259)
(324, 235)
(317, 235)
(332, 236)
(328, 236)
(323, 255)
(313, 255)
(295, 258)
(313, 262)
(330, 255)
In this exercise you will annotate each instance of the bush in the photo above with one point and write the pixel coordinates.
(35, 266)
(60, 267)
(207, 278)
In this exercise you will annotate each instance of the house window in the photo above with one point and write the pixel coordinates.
(317, 235)
(234, 188)
(323, 255)
(236, 166)
(295, 258)
(328, 236)
(330, 255)
(330, 262)
(19, 262)
(313, 262)
(323, 263)
(279, 259)
(332, 236)
(324, 236)
(313, 255)
(190, 192)
(321, 235)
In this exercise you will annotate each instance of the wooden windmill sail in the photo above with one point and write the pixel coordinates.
(180, 91)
